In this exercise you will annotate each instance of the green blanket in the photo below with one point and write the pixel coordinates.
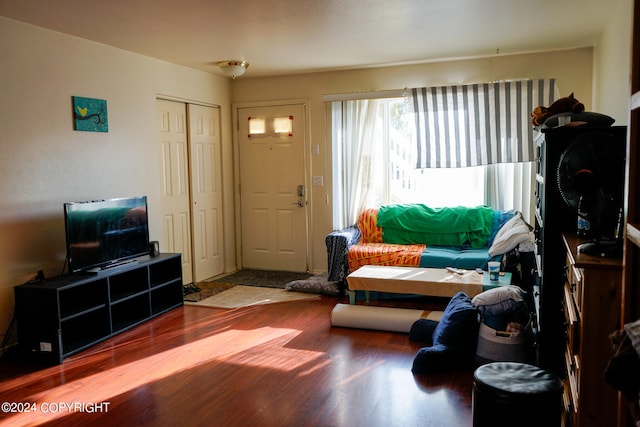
(418, 223)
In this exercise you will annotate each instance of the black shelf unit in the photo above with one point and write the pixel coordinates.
(552, 218)
(64, 315)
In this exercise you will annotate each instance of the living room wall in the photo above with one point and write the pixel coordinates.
(612, 65)
(44, 162)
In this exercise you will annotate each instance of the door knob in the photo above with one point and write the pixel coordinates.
(300, 203)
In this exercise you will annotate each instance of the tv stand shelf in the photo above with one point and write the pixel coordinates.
(67, 314)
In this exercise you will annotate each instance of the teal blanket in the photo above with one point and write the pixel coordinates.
(418, 223)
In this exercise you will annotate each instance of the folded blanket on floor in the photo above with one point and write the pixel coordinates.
(449, 226)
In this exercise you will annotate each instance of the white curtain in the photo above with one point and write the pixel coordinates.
(357, 171)
(511, 186)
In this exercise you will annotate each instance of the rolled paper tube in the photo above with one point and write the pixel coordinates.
(379, 318)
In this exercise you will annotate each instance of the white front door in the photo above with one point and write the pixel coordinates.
(273, 192)
(206, 192)
(174, 167)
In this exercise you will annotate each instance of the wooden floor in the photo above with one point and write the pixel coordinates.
(272, 365)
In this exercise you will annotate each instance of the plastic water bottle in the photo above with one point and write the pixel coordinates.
(619, 233)
(583, 225)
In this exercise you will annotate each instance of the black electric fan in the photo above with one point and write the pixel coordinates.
(591, 181)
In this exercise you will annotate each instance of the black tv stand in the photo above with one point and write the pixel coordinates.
(108, 267)
(64, 315)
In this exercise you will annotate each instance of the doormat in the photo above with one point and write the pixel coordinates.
(245, 296)
(262, 278)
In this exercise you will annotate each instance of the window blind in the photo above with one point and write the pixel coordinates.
(477, 124)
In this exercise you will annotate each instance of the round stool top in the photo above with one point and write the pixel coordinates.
(517, 379)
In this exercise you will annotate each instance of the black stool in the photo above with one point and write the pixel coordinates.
(515, 394)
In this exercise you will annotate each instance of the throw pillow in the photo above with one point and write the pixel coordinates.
(315, 285)
(422, 330)
(437, 358)
(454, 338)
(459, 322)
(514, 232)
(497, 301)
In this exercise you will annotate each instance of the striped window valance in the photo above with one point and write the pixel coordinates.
(477, 124)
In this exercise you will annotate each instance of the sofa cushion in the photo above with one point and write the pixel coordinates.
(453, 256)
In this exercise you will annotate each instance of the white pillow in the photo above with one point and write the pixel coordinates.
(510, 235)
(498, 300)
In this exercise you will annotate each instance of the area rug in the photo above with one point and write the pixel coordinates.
(262, 278)
(244, 296)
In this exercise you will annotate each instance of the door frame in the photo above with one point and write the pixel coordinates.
(306, 168)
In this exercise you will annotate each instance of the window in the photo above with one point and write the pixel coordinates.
(446, 187)
(434, 187)
(374, 163)
(271, 126)
(374, 146)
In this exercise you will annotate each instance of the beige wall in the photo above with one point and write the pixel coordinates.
(612, 65)
(44, 162)
(571, 68)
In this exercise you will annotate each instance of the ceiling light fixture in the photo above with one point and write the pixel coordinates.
(233, 68)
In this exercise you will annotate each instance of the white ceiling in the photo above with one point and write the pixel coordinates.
(295, 36)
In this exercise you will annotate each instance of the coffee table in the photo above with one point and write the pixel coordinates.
(437, 282)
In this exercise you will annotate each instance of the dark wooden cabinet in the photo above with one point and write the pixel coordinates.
(553, 217)
(592, 295)
(64, 315)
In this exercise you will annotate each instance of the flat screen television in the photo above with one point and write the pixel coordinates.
(103, 233)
